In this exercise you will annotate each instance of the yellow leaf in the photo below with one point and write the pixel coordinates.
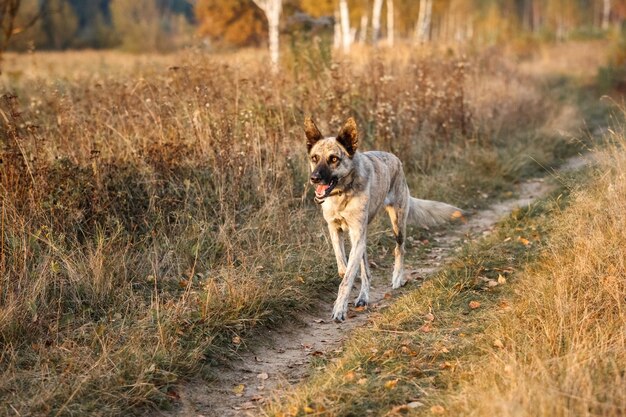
(501, 279)
(523, 241)
(474, 304)
(238, 389)
(391, 384)
(308, 410)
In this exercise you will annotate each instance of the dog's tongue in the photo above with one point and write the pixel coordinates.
(321, 189)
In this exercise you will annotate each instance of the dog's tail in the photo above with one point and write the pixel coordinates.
(431, 213)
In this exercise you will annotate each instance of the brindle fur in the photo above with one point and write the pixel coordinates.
(366, 183)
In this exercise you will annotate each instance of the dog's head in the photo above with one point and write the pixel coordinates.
(330, 158)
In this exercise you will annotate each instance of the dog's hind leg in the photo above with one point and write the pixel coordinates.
(398, 216)
(364, 295)
(337, 239)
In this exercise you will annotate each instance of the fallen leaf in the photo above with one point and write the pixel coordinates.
(415, 404)
(491, 283)
(426, 328)
(391, 384)
(362, 381)
(429, 317)
(238, 389)
(387, 295)
(437, 409)
(236, 340)
(523, 241)
(319, 321)
(501, 279)
(247, 406)
(350, 376)
(474, 304)
(398, 409)
(263, 376)
(308, 410)
(498, 343)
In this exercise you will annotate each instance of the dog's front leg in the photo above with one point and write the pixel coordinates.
(337, 238)
(358, 232)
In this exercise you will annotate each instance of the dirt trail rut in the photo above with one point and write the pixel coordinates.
(282, 357)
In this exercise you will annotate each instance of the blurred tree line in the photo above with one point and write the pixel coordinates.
(161, 25)
(135, 25)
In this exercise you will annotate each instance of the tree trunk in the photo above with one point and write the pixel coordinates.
(390, 23)
(346, 33)
(422, 28)
(376, 12)
(363, 31)
(272, 10)
(606, 14)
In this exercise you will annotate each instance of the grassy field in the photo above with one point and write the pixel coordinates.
(154, 209)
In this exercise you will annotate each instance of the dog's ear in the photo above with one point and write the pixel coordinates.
(312, 133)
(348, 136)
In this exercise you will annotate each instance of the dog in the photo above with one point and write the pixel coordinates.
(352, 187)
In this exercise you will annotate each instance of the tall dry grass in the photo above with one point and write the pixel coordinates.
(151, 214)
(564, 339)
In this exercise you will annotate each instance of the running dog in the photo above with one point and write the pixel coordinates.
(352, 187)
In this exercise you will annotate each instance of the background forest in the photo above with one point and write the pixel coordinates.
(164, 25)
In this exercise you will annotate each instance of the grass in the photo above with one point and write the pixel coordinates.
(547, 339)
(155, 209)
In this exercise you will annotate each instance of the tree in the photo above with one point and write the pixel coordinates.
(346, 32)
(376, 12)
(9, 10)
(606, 14)
(272, 10)
(390, 23)
(233, 22)
(422, 29)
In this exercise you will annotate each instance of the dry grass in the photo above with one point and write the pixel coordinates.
(144, 204)
(565, 336)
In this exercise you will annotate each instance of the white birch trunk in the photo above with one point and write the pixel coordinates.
(363, 31)
(337, 31)
(606, 14)
(376, 12)
(272, 10)
(422, 28)
(346, 33)
(390, 23)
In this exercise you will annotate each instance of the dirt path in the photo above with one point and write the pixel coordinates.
(283, 356)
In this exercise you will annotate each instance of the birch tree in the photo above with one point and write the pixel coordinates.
(606, 14)
(422, 28)
(376, 12)
(390, 23)
(346, 32)
(272, 10)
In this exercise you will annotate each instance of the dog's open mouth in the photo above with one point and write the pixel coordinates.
(323, 190)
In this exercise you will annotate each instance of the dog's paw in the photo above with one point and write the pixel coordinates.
(397, 284)
(339, 314)
(361, 302)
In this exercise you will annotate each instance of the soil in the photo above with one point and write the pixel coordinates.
(282, 357)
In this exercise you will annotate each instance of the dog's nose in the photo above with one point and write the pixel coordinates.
(315, 177)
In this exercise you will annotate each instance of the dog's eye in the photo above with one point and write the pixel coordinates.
(333, 159)
(315, 158)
